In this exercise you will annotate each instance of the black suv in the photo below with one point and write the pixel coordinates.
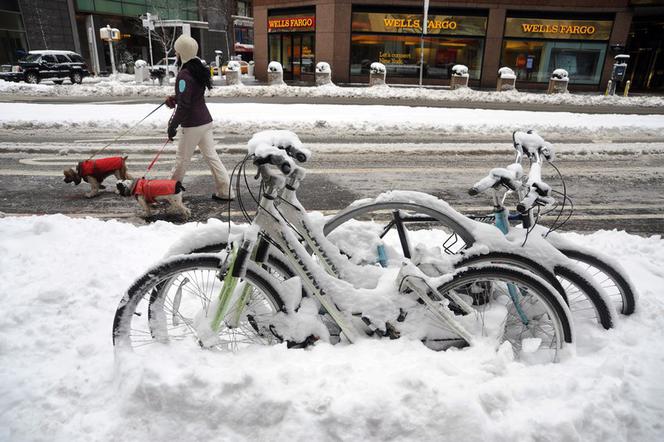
(47, 65)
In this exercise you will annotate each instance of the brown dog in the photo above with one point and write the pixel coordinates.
(149, 192)
(95, 171)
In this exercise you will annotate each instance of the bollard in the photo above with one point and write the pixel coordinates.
(608, 88)
(323, 74)
(250, 68)
(141, 71)
(459, 77)
(558, 82)
(233, 73)
(377, 73)
(275, 74)
(506, 80)
(627, 86)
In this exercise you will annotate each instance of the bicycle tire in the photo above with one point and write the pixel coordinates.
(519, 261)
(457, 232)
(612, 279)
(141, 319)
(545, 306)
(570, 278)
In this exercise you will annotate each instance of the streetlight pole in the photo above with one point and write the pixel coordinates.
(424, 32)
(150, 37)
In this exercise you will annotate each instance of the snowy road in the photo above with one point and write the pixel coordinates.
(618, 188)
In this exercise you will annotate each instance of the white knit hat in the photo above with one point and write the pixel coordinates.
(186, 47)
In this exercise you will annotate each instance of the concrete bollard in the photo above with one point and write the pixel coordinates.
(506, 80)
(233, 77)
(558, 82)
(275, 74)
(377, 73)
(141, 71)
(459, 77)
(323, 74)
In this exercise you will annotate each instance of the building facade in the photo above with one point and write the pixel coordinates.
(533, 38)
(74, 25)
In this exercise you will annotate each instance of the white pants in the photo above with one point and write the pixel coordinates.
(201, 136)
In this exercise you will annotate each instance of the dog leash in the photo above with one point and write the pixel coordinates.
(125, 132)
(147, 171)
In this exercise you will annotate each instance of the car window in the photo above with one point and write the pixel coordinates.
(62, 58)
(76, 58)
(49, 58)
(31, 58)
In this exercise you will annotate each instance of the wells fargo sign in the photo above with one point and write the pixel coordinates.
(412, 24)
(558, 29)
(291, 23)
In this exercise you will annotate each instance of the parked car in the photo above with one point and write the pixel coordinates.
(47, 65)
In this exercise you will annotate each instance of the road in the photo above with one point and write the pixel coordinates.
(523, 106)
(618, 190)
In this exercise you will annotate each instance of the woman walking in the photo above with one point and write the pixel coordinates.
(194, 118)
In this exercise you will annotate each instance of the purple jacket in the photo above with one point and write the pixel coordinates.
(191, 110)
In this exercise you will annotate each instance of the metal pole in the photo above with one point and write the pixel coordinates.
(150, 38)
(424, 32)
(110, 46)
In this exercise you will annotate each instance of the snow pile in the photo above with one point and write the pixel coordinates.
(305, 119)
(61, 382)
(126, 88)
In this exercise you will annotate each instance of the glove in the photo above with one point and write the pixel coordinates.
(172, 131)
(170, 102)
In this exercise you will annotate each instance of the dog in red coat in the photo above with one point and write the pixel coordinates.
(94, 172)
(149, 192)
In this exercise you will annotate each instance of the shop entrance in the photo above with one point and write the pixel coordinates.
(295, 51)
(646, 49)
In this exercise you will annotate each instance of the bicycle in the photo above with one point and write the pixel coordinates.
(408, 211)
(253, 306)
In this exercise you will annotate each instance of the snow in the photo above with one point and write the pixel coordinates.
(275, 66)
(125, 88)
(62, 382)
(242, 118)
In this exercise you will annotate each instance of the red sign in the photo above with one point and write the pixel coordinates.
(291, 24)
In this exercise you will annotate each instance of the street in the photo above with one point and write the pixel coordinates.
(620, 189)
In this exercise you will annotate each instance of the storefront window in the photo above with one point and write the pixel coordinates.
(535, 47)
(535, 60)
(401, 55)
(395, 40)
(291, 42)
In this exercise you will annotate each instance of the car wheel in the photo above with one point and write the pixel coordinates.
(171, 75)
(76, 78)
(32, 78)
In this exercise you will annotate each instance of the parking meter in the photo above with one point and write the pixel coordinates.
(217, 59)
(619, 72)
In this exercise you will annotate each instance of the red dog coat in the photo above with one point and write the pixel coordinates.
(100, 169)
(149, 189)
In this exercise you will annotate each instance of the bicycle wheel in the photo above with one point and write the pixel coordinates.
(358, 231)
(163, 306)
(609, 277)
(516, 308)
(584, 301)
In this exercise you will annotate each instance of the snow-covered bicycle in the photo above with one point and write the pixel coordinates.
(235, 297)
(396, 220)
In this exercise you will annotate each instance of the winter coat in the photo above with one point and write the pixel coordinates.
(149, 189)
(99, 169)
(191, 110)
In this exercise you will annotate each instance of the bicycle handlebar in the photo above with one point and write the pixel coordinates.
(508, 177)
(532, 145)
(292, 151)
(284, 164)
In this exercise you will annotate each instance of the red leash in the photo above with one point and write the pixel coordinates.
(147, 171)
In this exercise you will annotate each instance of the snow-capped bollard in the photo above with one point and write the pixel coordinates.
(141, 71)
(250, 68)
(506, 79)
(459, 77)
(558, 82)
(233, 73)
(323, 74)
(377, 72)
(275, 74)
